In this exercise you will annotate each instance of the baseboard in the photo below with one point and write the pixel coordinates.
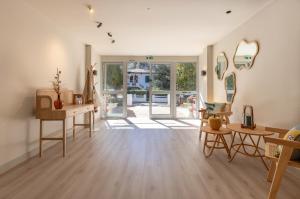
(34, 152)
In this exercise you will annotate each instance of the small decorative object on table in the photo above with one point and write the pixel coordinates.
(214, 122)
(58, 104)
(248, 117)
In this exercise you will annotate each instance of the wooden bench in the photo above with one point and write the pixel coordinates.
(45, 111)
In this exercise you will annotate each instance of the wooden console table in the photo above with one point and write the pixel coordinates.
(241, 147)
(45, 111)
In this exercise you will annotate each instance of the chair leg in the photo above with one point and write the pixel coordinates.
(271, 171)
(280, 168)
(200, 132)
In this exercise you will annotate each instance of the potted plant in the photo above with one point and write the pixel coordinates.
(214, 122)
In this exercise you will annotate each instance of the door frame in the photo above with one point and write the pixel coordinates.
(124, 60)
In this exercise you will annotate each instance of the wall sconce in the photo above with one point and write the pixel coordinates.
(203, 72)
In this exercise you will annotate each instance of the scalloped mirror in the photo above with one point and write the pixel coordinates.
(245, 54)
(230, 87)
(222, 65)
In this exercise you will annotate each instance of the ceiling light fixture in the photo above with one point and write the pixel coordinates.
(91, 10)
(99, 24)
(113, 41)
(228, 12)
(109, 34)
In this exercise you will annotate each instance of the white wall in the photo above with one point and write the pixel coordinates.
(30, 50)
(272, 86)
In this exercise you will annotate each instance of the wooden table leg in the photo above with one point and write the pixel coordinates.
(41, 135)
(232, 140)
(257, 151)
(90, 123)
(73, 127)
(225, 145)
(245, 151)
(93, 119)
(64, 138)
(213, 146)
(242, 143)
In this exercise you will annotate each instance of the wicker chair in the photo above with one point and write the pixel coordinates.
(279, 164)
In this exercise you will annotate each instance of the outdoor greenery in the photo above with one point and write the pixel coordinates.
(185, 77)
(137, 92)
(161, 77)
(114, 77)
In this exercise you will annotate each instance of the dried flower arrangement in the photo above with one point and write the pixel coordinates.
(56, 83)
(58, 104)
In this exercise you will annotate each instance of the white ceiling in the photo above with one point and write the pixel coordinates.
(170, 27)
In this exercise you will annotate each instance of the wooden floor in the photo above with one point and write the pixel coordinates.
(132, 162)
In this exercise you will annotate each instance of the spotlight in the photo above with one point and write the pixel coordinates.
(228, 11)
(109, 34)
(99, 24)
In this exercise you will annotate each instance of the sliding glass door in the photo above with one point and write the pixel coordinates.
(167, 90)
(113, 90)
(160, 90)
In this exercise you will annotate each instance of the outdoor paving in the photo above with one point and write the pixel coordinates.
(142, 110)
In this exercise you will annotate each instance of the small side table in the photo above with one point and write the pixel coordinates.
(244, 147)
(219, 139)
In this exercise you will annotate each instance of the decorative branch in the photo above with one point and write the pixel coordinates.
(57, 82)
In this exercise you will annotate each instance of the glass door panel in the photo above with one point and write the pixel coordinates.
(186, 94)
(113, 77)
(113, 90)
(160, 92)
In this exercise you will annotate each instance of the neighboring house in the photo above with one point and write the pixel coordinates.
(139, 79)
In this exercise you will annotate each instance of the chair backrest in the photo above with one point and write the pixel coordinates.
(227, 107)
(281, 132)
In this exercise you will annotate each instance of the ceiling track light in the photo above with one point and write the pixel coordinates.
(113, 41)
(109, 34)
(228, 11)
(99, 24)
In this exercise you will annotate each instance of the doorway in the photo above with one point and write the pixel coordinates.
(149, 89)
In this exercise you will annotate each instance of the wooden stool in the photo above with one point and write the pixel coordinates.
(219, 139)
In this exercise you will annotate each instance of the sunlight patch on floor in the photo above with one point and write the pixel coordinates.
(147, 123)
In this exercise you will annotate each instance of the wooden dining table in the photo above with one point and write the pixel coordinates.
(251, 146)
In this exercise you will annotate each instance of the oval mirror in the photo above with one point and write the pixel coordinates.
(245, 54)
(222, 65)
(230, 87)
